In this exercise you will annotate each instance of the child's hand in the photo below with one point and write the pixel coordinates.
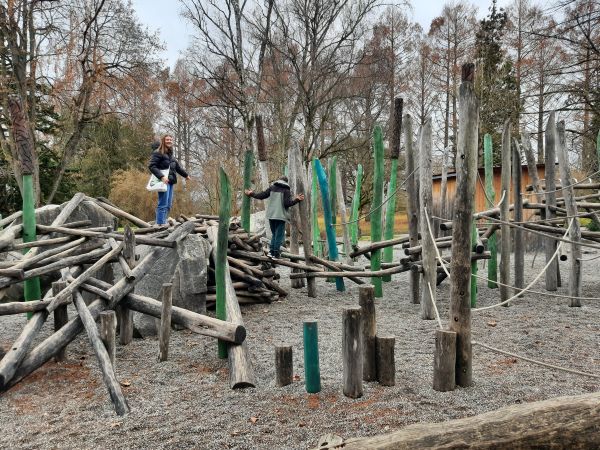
(248, 192)
(300, 197)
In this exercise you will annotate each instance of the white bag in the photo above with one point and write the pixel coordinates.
(156, 185)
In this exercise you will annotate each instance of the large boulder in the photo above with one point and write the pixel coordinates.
(186, 266)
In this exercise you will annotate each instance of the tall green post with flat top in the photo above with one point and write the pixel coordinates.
(221, 253)
(248, 166)
(490, 199)
(376, 207)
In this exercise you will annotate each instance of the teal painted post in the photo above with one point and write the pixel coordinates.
(355, 206)
(375, 205)
(331, 239)
(312, 372)
(490, 199)
(221, 254)
(474, 235)
(248, 166)
(333, 189)
(314, 199)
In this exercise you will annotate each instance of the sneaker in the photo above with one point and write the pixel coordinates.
(272, 256)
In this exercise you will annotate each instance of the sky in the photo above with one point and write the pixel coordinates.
(164, 16)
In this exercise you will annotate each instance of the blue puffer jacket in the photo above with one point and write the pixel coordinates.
(161, 161)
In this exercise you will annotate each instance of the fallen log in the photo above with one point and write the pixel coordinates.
(564, 422)
(119, 237)
(378, 245)
(120, 213)
(365, 274)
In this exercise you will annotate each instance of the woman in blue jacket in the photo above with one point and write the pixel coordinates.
(162, 159)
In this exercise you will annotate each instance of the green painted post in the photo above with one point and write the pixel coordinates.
(33, 290)
(312, 373)
(490, 199)
(388, 252)
(221, 254)
(376, 214)
(474, 235)
(248, 166)
(598, 148)
(333, 189)
(355, 206)
(331, 239)
(316, 234)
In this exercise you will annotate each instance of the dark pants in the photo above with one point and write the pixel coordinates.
(278, 232)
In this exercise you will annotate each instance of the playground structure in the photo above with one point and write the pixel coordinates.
(242, 274)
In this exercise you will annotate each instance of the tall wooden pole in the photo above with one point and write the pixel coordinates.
(356, 206)
(124, 314)
(262, 154)
(294, 212)
(550, 244)
(488, 157)
(24, 143)
(388, 252)
(505, 243)
(571, 206)
(248, 166)
(412, 207)
(343, 217)
(375, 207)
(466, 172)
(443, 194)
(427, 242)
(314, 208)
(474, 235)
(331, 239)
(519, 242)
(221, 254)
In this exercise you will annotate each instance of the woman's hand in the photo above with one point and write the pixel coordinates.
(165, 180)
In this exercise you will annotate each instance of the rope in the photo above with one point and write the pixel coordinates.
(437, 250)
(530, 284)
(564, 187)
(389, 196)
(552, 366)
(437, 314)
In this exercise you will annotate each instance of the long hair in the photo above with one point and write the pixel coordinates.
(162, 148)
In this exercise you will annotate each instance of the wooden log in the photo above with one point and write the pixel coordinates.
(18, 274)
(294, 213)
(262, 154)
(344, 217)
(444, 361)
(412, 205)
(9, 236)
(376, 203)
(518, 241)
(314, 211)
(466, 173)
(104, 363)
(366, 296)
(45, 257)
(10, 219)
(61, 318)
(305, 222)
(248, 169)
(379, 245)
(490, 199)
(575, 231)
(284, 365)
(365, 274)
(108, 330)
(563, 422)
(122, 261)
(443, 192)
(120, 213)
(354, 219)
(386, 364)
(505, 243)
(165, 322)
(352, 353)
(551, 275)
(41, 243)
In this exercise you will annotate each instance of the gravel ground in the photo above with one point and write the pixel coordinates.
(186, 402)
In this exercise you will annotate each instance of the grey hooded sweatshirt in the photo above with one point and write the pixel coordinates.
(280, 200)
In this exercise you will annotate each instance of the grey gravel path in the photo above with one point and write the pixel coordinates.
(186, 402)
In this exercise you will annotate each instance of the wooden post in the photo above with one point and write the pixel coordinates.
(221, 253)
(284, 365)
(312, 373)
(108, 373)
(25, 148)
(262, 154)
(165, 322)
(343, 217)
(474, 238)
(293, 170)
(354, 226)
(61, 317)
(333, 188)
(331, 239)
(488, 157)
(427, 243)
(519, 242)
(386, 363)
(108, 330)
(124, 315)
(550, 244)
(390, 215)
(314, 207)
(376, 207)
(366, 295)
(444, 361)
(412, 206)
(443, 194)
(575, 231)
(505, 243)
(352, 353)
(466, 173)
(248, 166)
(304, 216)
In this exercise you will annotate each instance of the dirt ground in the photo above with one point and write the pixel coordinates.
(186, 402)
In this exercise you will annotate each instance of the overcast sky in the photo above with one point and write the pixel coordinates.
(164, 15)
